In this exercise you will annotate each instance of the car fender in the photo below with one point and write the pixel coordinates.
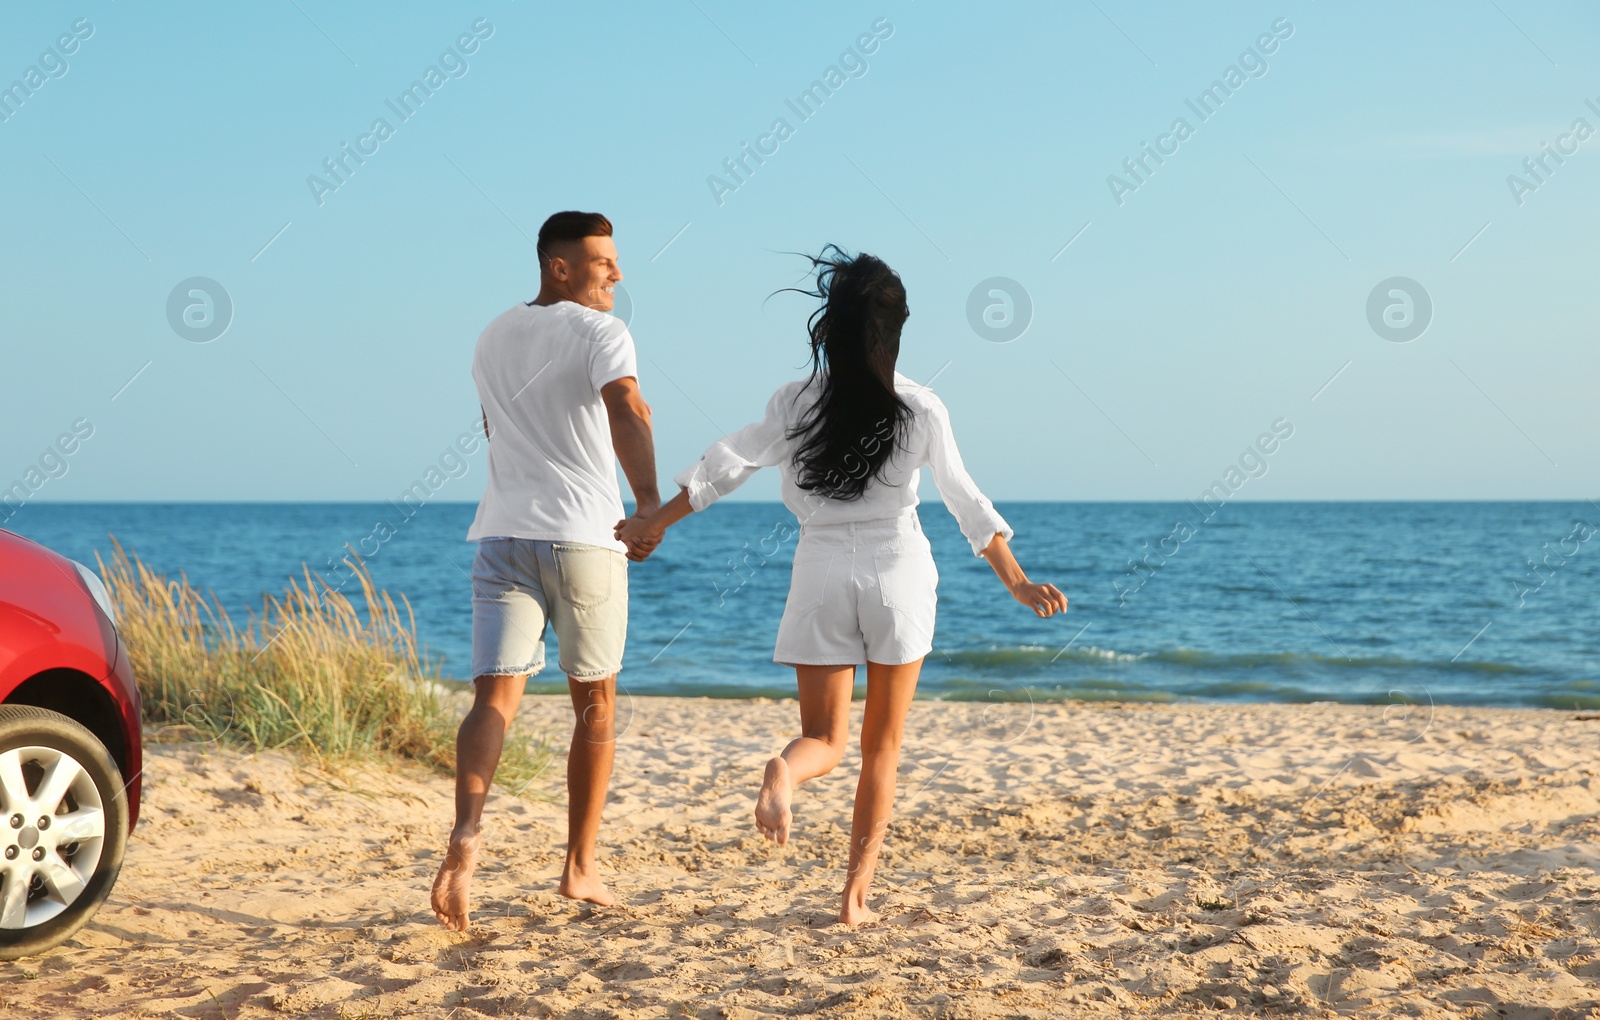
(48, 619)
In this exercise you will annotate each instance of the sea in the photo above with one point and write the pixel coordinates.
(1417, 603)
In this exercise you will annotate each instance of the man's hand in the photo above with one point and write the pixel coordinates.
(640, 534)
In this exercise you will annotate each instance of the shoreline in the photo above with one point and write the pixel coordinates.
(1049, 860)
(982, 693)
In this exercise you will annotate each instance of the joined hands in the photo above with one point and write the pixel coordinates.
(639, 534)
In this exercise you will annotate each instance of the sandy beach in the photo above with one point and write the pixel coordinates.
(1055, 860)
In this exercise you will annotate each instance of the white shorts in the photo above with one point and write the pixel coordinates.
(861, 592)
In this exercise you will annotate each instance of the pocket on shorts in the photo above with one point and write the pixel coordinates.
(587, 574)
(808, 583)
(907, 577)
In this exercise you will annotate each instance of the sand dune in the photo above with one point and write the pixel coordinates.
(1046, 861)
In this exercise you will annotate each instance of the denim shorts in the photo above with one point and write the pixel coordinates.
(520, 584)
(860, 592)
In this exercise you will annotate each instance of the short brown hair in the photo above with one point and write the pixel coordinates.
(570, 226)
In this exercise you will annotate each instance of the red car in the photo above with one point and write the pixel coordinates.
(70, 754)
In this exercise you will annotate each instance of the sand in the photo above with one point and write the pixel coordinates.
(1045, 861)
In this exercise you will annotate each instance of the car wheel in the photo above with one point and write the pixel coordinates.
(63, 828)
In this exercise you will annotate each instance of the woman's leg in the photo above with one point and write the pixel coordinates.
(824, 727)
(889, 691)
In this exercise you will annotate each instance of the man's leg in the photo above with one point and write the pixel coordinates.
(594, 745)
(478, 745)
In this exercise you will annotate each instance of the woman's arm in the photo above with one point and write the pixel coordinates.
(721, 469)
(1043, 599)
(981, 523)
(978, 518)
(642, 534)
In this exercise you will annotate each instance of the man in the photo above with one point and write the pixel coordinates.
(559, 385)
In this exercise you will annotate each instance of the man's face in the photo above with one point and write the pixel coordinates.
(588, 271)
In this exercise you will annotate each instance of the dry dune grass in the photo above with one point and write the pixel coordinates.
(313, 672)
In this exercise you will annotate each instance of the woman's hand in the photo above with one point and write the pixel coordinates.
(1043, 599)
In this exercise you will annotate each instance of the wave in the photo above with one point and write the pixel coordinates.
(1032, 655)
(1202, 661)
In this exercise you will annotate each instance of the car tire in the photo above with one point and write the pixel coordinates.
(70, 864)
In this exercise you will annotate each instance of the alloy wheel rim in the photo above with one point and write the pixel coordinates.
(52, 833)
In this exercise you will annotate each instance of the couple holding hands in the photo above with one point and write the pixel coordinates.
(558, 381)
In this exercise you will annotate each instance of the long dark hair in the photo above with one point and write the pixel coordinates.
(850, 431)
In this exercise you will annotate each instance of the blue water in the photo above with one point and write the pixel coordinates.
(1356, 602)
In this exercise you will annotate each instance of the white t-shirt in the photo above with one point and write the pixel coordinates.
(927, 440)
(552, 469)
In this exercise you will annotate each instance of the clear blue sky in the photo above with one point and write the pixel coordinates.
(1221, 295)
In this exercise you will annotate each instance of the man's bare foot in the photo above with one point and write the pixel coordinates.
(855, 910)
(587, 887)
(453, 885)
(772, 804)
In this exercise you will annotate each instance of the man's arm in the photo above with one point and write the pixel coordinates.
(633, 440)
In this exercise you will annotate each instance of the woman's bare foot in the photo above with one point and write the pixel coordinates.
(453, 885)
(772, 804)
(855, 910)
(585, 886)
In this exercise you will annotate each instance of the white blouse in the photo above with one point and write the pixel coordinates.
(927, 439)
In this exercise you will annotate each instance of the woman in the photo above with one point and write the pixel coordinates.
(849, 442)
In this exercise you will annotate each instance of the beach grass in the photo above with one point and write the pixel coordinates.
(337, 680)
